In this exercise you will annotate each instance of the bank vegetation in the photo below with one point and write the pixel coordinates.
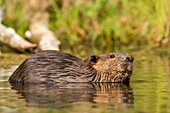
(95, 25)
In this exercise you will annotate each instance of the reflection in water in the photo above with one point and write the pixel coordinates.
(116, 96)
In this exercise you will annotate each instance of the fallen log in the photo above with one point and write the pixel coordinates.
(38, 30)
(43, 37)
(9, 37)
(39, 19)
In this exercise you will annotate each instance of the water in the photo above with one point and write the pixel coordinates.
(148, 91)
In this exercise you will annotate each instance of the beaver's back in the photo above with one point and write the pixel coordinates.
(47, 66)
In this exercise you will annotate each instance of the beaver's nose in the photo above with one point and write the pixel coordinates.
(129, 58)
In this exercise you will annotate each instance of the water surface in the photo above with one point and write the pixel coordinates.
(148, 91)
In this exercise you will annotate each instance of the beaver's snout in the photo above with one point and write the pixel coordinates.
(129, 58)
(124, 57)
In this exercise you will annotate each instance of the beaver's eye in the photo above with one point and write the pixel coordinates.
(112, 56)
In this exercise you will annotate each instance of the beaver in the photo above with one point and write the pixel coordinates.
(54, 66)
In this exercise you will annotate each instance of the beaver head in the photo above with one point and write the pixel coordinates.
(112, 67)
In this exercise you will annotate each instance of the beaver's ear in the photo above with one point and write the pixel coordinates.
(94, 59)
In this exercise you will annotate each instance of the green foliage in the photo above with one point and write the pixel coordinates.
(112, 25)
(104, 25)
(13, 15)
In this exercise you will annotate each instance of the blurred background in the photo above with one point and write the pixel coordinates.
(94, 26)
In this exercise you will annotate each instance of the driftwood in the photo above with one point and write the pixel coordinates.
(9, 37)
(35, 11)
(43, 37)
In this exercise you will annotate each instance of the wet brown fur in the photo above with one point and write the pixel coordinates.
(55, 66)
